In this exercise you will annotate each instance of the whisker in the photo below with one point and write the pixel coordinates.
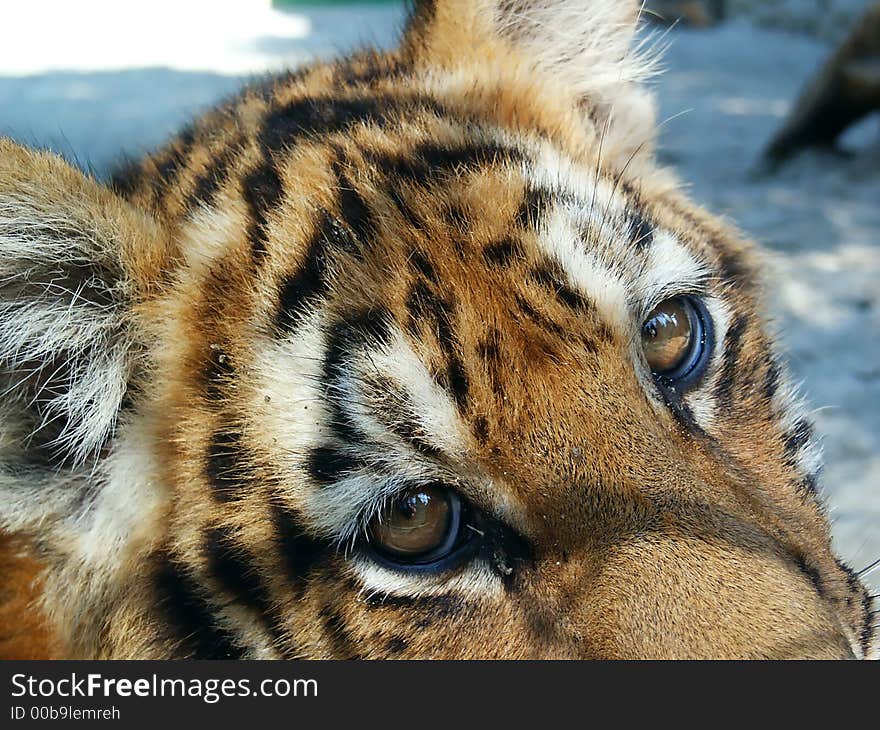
(867, 570)
(599, 162)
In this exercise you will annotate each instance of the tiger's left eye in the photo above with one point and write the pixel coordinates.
(415, 524)
(675, 340)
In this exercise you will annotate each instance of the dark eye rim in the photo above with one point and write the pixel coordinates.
(460, 544)
(693, 366)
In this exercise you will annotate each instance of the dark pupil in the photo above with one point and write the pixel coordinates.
(667, 336)
(409, 506)
(660, 321)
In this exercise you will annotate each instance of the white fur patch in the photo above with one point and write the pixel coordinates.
(208, 233)
(591, 46)
(671, 269)
(60, 325)
(292, 408)
(435, 413)
(289, 395)
(586, 271)
(391, 464)
(476, 581)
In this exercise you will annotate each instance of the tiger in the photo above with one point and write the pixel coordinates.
(416, 353)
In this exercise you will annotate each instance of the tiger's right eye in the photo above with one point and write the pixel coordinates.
(676, 341)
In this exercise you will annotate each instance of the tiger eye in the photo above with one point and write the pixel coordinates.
(667, 336)
(414, 524)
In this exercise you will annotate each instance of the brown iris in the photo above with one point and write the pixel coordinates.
(414, 524)
(668, 336)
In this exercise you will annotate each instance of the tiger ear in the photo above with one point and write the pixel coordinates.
(587, 47)
(76, 261)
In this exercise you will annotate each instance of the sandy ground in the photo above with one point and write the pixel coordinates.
(122, 84)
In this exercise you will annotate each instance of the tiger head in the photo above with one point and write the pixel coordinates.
(410, 354)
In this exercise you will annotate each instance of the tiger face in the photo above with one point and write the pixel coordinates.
(416, 354)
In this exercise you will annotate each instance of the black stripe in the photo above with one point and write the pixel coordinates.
(858, 590)
(539, 319)
(219, 371)
(490, 350)
(236, 571)
(191, 617)
(396, 644)
(340, 639)
(226, 465)
(798, 437)
(326, 465)
(424, 305)
(339, 236)
(772, 378)
(318, 116)
(421, 16)
(262, 190)
(480, 428)
(309, 282)
(177, 154)
(734, 269)
(425, 164)
(503, 252)
(457, 381)
(641, 231)
(535, 204)
(405, 426)
(732, 348)
(438, 607)
(867, 629)
(213, 176)
(411, 218)
(300, 552)
(367, 328)
(354, 210)
(810, 572)
(551, 277)
(421, 264)
(127, 178)
(283, 127)
(397, 416)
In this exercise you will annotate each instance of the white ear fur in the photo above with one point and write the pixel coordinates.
(66, 296)
(589, 47)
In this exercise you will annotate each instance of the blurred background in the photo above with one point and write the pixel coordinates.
(99, 79)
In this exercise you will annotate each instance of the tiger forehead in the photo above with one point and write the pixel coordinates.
(474, 245)
(486, 222)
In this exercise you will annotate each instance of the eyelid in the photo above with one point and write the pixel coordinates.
(647, 304)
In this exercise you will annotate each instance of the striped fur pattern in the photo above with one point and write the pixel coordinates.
(427, 266)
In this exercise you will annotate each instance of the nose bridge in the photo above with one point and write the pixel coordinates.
(645, 552)
(664, 595)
